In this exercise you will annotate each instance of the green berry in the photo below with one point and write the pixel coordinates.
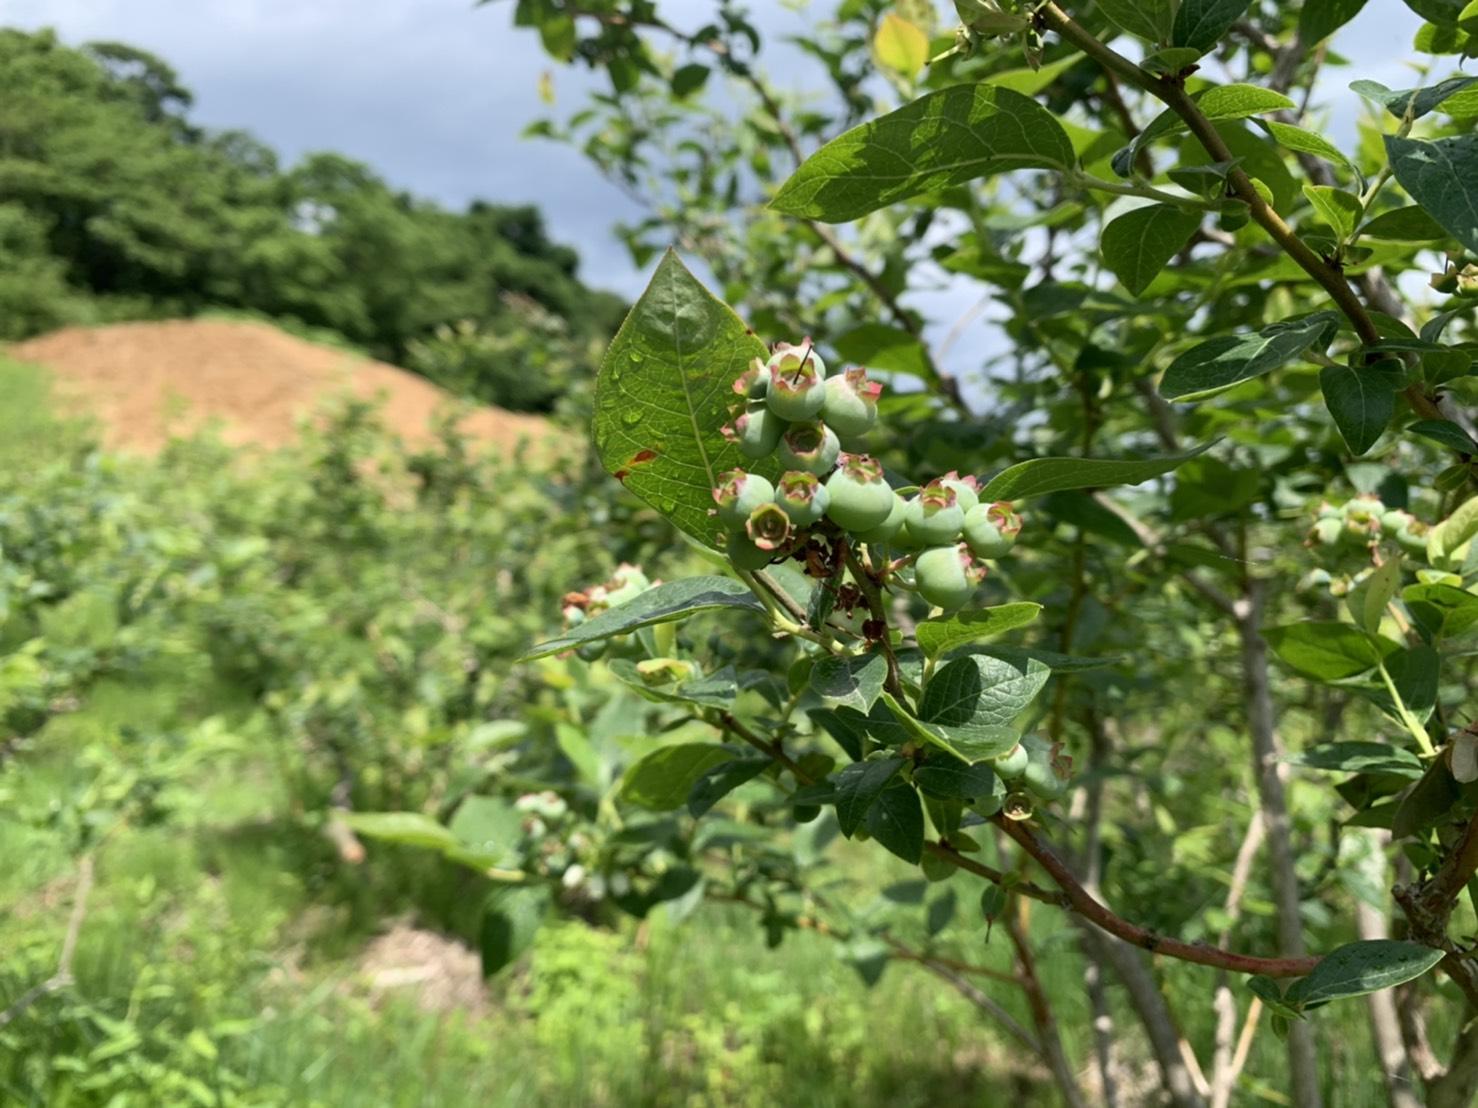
(803, 497)
(768, 527)
(797, 385)
(888, 530)
(947, 576)
(1394, 520)
(738, 494)
(967, 489)
(592, 651)
(746, 555)
(1048, 770)
(1012, 764)
(1413, 537)
(812, 447)
(934, 516)
(991, 529)
(757, 431)
(860, 497)
(1327, 530)
(850, 406)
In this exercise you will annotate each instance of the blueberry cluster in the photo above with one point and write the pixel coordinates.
(1362, 521)
(813, 424)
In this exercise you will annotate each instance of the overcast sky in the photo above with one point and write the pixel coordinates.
(434, 93)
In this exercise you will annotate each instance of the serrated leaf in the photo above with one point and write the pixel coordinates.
(1362, 402)
(664, 603)
(1228, 359)
(854, 681)
(1200, 24)
(662, 780)
(1442, 176)
(1138, 244)
(1324, 650)
(662, 399)
(901, 45)
(896, 821)
(1362, 967)
(936, 636)
(941, 140)
(858, 786)
(1043, 475)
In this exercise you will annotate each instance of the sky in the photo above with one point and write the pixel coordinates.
(433, 94)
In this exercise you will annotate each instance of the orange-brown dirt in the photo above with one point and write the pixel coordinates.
(148, 382)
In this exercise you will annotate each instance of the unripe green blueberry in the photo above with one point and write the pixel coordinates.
(1047, 768)
(738, 494)
(850, 406)
(1012, 764)
(890, 527)
(803, 497)
(757, 431)
(746, 555)
(1393, 520)
(967, 489)
(1360, 529)
(797, 386)
(1327, 530)
(812, 447)
(947, 576)
(991, 529)
(754, 382)
(592, 651)
(1329, 511)
(860, 497)
(1365, 508)
(934, 517)
(1413, 537)
(768, 527)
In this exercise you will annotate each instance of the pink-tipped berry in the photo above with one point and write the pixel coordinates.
(768, 527)
(850, 406)
(991, 529)
(889, 529)
(797, 385)
(738, 494)
(812, 447)
(803, 497)
(967, 489)
(947, 576)
(860, 497)
(934, 517)
(756, 431)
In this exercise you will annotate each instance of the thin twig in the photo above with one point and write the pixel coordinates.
(62, 978)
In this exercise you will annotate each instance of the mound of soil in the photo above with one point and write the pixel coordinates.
(145, 383)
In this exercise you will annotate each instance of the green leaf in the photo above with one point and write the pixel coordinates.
(1319, 19)
(912, 726)
(941, 140)
(1359, 757)
(1415, 671)
(719, 781)
(953, 779)
(1303, 141)
(1324, 650)
(1217, 363)
(1441, 610)
(406, 828)
(1340, 209)
(1408, 224)
(936, 636)
(1447, 433)
(717, 690)
(663, 603)
(1200, 24)
(662, 780)
(1367, 601)
(1220, 103)
(858, 787)
(1043, 475)
(854, 681)
(662, 398)
(1417, 101)
(901, 45)
(972, 701)
(1441, 176)
(1460, 526)
(1362, 402)
(941, 911)
(1362, 967)
(1151, 20)
(879, 346)
(1058, 663)
(689, 79)
(511, 916)
(1138, 244)
(487, 827)
(896, 821)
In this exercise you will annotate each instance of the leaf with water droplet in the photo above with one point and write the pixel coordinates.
(682, 350)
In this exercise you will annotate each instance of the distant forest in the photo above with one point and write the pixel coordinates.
(113, 205)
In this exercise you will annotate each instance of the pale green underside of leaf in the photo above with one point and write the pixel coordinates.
(663, 397)
(1043, 475)
(660, 604)
(1363, 967)
(940, 140)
